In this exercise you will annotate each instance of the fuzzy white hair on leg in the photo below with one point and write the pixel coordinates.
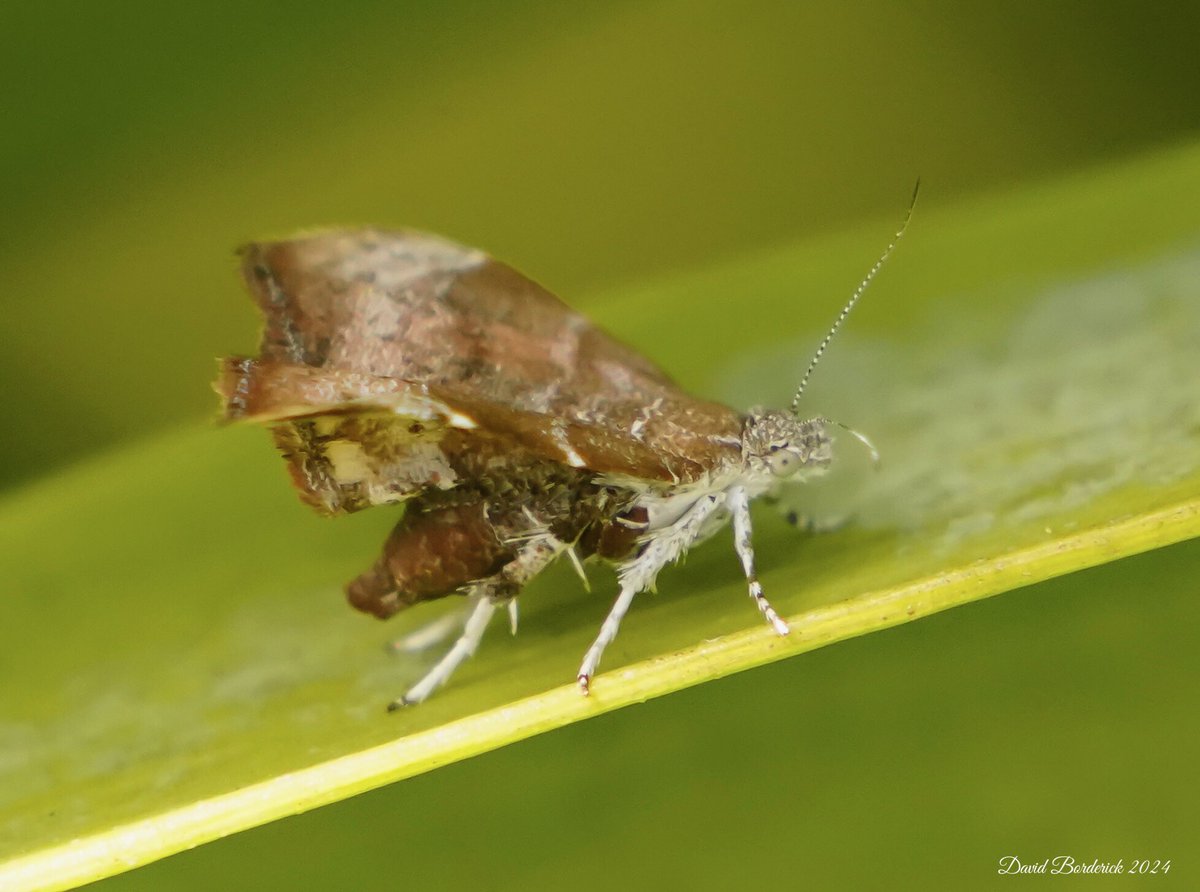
(669, 543)
(578, 565)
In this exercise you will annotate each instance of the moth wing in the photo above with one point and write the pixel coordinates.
(267, 390)
(483, 342)
(350, 440)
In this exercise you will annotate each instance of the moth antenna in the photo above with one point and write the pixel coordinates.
(862, 438)
(858, 292)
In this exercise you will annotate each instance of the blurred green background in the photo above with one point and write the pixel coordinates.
(594, 145)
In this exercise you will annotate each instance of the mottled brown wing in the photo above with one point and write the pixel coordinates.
(426, 332)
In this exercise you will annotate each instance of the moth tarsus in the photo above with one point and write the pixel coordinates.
(400, 368)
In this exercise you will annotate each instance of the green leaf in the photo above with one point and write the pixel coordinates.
(180, 667)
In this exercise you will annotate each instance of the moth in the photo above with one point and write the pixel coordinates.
(398, 367)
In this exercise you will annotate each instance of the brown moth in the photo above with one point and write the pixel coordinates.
(398, 367)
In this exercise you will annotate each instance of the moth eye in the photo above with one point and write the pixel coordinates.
(782, 461)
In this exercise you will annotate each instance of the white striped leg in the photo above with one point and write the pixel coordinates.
(739, 507)
(608, 631)
(468, 641)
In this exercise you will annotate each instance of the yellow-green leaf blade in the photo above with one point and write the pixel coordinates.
(184, 668)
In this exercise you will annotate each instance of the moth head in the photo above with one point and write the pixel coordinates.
(779, 445)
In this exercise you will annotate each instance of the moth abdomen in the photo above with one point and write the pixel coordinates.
(430, 554)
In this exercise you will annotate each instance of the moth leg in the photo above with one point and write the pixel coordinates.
(739, 507)
(638, 574)
(477, 621)
(608, 631)
(438, 630)
(486, 596)
(816, 526)
(424, 637)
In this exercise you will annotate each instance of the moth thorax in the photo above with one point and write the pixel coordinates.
(781, 444)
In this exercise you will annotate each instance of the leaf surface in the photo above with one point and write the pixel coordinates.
(179, 664)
